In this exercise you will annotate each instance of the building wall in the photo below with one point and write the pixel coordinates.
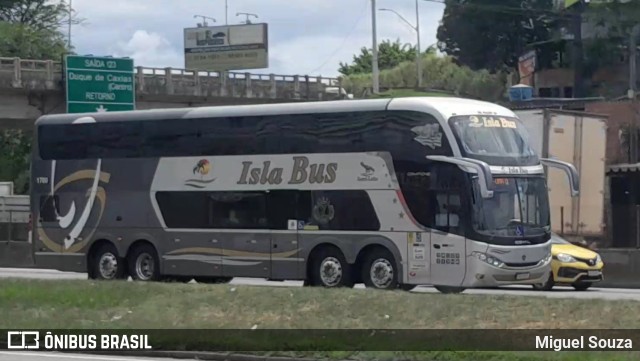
(620, 116)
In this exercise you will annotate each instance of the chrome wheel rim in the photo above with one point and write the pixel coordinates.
(330, 271)
(381, 273)
(145, 266)
(108, 265)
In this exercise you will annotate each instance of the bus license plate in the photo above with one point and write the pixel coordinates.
(593, 273)
(522, 276)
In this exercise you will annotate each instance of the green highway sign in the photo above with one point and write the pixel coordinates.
(99, 84)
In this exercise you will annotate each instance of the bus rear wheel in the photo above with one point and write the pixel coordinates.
(330, 269)
(143, 263)
(213, 280)
(106, 264)
(379, 270)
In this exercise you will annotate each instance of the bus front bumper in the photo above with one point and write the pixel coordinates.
(481, 274)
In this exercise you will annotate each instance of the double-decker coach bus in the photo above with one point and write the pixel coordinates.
(389, 193)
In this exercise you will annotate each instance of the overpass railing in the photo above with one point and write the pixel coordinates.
(47, 75)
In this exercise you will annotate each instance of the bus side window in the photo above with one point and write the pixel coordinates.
(285, 205)
(238, 210)
(49, 208)
(343, 210)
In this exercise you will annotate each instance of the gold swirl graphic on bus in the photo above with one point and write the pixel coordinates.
(232, 253)
(101, 196)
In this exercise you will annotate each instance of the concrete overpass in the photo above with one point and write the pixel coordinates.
(31, 88)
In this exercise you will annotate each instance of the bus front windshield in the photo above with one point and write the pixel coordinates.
(519, 208)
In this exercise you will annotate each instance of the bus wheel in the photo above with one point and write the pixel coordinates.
(330, 269)
(379, 270)
(449, 289)
(213, 280)
(106, 264)
(143, 263)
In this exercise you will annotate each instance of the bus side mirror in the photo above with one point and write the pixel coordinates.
(482, 168)
(569, 169)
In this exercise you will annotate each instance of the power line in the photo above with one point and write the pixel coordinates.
(355, 25)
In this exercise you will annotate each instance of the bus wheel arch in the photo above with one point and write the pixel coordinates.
(378, 267)
(143, 261)
(328, 267)
(104, 261)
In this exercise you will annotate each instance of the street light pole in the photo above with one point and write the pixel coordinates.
(204, 19)
(226, 12)
(417, 30)
(70, 14)
(374, 52)
(419, 52)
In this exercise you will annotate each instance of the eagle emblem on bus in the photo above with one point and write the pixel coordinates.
(428, 135)
(203, 167)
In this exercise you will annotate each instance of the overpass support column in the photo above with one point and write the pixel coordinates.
(224, 76)
(247, 84)
(273, 92)
(320, 88)
(17, 73)
(140, 79)
(296, 87)
(168, 81)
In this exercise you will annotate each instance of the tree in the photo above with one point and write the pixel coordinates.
(493, 34)
(15, 147)
(22, 41)
(31, 28)
(390, 55)
(38, 15)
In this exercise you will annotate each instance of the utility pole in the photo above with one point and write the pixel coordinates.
(576, 24)
(633, 76)
(226, 12)
(419, 52)
(70, 17)
(375, 72)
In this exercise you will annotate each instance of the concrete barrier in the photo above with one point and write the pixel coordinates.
(621, 268)
(15, 254)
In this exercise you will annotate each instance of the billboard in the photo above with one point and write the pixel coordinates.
(526, 67)
(226, 47)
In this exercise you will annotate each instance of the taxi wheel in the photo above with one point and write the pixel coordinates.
(581, 286)
(547, 286)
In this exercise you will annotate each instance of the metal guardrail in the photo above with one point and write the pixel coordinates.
(14, 226)
(47, 75)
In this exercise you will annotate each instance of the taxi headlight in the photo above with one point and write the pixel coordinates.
(563, 257)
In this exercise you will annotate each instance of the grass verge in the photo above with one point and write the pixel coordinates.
(32, 304)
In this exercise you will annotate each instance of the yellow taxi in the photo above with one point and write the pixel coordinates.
(572, 265)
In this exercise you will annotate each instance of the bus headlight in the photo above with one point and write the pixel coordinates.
(563, 257)
(489, 259)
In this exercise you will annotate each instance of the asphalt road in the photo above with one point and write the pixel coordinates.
(557, 292)
(55, 356)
